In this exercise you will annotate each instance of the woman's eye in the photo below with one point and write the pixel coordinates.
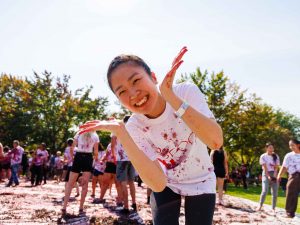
(121, 92)
(135, 81)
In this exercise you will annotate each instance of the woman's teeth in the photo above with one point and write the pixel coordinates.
(142, 101)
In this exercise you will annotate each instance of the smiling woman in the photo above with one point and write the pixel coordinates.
(166, 138)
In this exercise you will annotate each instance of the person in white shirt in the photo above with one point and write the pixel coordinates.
(291, 164)
(270, 163)
(45, 155)
(87, 148)
(98, 171)
(125, 173)
(68, 162)
(15, 162)
(166, 138)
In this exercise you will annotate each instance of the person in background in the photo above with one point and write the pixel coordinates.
(269, 162)
(291, 164)
(68, 162)
(220, 162)
(125, 173)
(109, 177)
(58, 165)
(98, 171)
(24, 164)
(45, 155)
(243, 172)
(87, 149)
(15, 162)
(36, 168)
(5, 160)
(1, 162)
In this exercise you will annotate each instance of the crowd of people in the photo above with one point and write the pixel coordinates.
(165, 141)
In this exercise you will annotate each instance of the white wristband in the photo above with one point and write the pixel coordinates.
(182, 109)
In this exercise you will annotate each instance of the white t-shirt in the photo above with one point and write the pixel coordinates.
(121, 154)
(183, 157)
(86, 142)
(100, 165)
(67, 154)
(44, 153)
(292, 162)
(16, 155)
(109, 155)
(269, 161)
(58, 162)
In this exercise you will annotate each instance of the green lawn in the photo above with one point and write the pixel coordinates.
(253, 193)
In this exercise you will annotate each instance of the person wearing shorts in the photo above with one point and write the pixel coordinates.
(125, 173)
(109, 176)
(99, 167)
(87, 144)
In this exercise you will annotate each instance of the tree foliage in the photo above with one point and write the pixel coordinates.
(44, 109)
(246, 121)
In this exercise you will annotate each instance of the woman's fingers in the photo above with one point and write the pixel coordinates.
(172, 72)
(82, 131)
(179, 56)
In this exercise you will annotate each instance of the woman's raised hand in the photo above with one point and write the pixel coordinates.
(166, 85)
(113, 126)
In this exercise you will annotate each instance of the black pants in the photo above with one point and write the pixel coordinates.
(165, 206)
(36, 174)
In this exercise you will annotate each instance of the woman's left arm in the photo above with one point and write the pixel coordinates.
(226, 164)
(96, 145)
(206, 129)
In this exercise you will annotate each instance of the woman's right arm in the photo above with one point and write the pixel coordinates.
(150, 171)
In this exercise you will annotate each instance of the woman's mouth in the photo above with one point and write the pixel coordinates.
(141, 102)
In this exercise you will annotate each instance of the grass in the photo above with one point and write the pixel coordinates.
(253, 193)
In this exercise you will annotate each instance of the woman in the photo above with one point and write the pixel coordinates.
(291, 164)
(109, 176)
(269, 162)
(86, 143)
(166, 139)
(220, 161)
(98, 171)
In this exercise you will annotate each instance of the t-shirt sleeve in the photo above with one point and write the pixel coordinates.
(76, 137)
(96, 138)
(285, 161)
(262, 160)
(143, 143)
(192, 94)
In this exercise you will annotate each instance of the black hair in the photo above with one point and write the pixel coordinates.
(121, 59)
(268, 144)
(5, 149)
(274, 155)
(126, 118)
(70, 141)
(295, 141)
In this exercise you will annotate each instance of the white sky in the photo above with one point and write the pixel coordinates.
(256, 43)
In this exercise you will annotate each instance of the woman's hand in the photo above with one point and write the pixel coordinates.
(113, 126)
(166, 86)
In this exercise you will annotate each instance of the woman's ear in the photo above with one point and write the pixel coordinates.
(153, 77)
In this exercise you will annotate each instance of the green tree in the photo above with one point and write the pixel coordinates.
(44, 109)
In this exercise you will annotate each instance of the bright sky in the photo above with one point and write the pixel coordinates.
(256, 43)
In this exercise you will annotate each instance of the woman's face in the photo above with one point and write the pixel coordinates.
(136, 90)
(270, 149)
(293, 146)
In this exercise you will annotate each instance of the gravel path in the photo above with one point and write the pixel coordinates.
(41, 205)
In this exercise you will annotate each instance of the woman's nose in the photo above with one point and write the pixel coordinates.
(133, 93)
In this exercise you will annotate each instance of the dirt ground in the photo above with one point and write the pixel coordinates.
(41, 205)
